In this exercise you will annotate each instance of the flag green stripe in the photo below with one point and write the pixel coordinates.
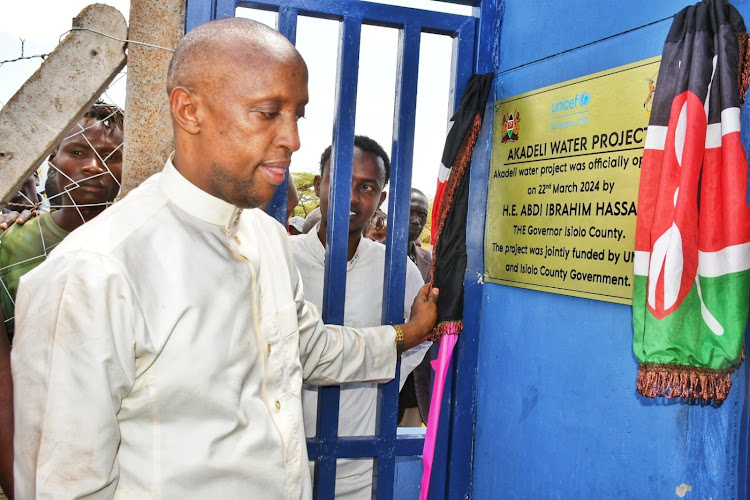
(683, 338)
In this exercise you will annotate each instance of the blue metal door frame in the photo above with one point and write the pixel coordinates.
(451, 476)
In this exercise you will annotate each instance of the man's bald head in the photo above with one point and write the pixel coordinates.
(236, 90)
(200, 52)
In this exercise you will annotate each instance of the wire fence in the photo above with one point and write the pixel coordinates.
(79, 179)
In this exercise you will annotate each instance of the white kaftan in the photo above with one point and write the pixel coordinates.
(160, 352)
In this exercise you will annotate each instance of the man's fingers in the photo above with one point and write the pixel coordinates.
(7, 220)
(427, 294)
(423, 295)
(25, 216)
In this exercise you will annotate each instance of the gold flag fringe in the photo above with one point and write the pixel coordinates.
(743, 63)
(688, 382)
(446, 328)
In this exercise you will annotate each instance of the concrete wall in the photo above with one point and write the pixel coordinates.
(558, 415)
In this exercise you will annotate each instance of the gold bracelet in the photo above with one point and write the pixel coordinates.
(399, 340)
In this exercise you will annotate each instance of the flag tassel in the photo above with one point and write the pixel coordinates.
(446, 328)
(687, 382)
(743, 66)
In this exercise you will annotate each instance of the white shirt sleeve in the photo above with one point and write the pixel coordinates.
(331, 355)
(73, 361)
(410, 359)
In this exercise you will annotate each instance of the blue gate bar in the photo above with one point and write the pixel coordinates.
(339, 203)
(277, 206)
(392, 16)
(201, 11)
(399, 195)
(366, 446)
(463, 62)
(225, 8)
(287, 26)
(287, 23)
(472, 3)
(198, 12)
(340, 171)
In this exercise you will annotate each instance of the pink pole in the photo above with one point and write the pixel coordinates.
(440, 365)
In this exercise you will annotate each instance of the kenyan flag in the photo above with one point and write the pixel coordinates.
(692, 263)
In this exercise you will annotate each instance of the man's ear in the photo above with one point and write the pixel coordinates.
(316, 185)
(382, 198)
(182, 104)
(51, 157)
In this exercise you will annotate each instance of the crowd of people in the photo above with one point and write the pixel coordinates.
(171, 345)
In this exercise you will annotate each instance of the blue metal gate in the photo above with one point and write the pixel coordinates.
(326, 447)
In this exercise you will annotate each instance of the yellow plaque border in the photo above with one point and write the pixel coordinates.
(616, 99)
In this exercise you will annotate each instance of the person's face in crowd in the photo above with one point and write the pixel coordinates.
(88, 176)
(244, 122)
(368, 180)
(26, 197)
(418, 209)
(377, 230)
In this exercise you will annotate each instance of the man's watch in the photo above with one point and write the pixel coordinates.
(399, 340)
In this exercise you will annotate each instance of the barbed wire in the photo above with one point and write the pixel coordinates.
(134, 42)
(23, 57)
(42, 56)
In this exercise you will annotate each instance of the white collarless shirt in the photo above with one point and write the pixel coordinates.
(160, 352)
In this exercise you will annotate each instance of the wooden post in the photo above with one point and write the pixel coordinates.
(148, 126)
(57, 95)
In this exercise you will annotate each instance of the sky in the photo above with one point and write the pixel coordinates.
(316, 40)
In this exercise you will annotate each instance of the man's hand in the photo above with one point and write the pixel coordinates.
(422, 319)
(7, 220)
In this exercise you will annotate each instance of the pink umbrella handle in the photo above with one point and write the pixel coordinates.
(440, 365)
